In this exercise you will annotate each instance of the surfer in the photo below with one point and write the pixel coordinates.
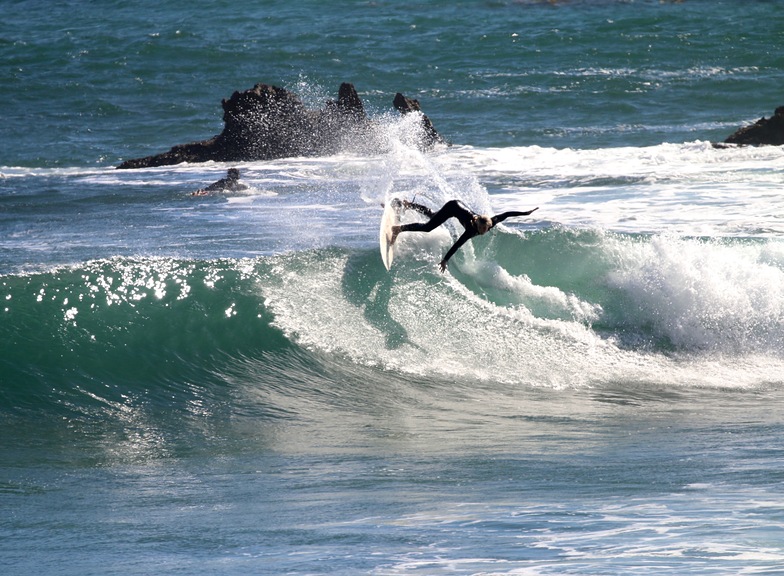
(231, 183)
(474, 224)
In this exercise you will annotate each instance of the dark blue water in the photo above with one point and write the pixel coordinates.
(92, 83)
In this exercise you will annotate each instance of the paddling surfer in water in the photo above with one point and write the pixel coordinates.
(474, 224)
(231, 183)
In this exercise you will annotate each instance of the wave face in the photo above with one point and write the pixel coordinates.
(143, 321)
(91, 339)
(545, 308)
(552, 308)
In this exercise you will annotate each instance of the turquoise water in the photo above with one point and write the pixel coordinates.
(233, 384)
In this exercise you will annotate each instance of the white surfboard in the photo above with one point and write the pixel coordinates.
(388, 220)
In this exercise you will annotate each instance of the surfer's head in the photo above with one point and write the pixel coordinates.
(482, 223)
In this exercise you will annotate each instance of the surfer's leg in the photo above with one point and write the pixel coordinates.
(452, 209)
(395, 232)
(401, 205)
(418, 208)
(449, 210)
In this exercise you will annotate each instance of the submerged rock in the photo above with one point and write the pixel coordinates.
(267, 122)
(765, 131)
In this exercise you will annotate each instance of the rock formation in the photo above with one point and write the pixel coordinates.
(407, 105)
(764, 131)
(267, 122)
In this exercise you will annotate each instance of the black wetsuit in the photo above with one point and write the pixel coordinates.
(452, 209)
(228, 184)
(231, 183)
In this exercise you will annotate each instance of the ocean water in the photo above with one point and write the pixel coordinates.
(233, 383)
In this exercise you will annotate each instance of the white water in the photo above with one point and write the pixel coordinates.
(685, 251)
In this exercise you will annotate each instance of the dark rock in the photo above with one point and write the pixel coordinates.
(765, 131)
(202, 151)
(406, 106)
(267, 122)
(343, 124)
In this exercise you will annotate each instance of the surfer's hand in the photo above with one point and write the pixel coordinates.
(532, 211)
(443, 266)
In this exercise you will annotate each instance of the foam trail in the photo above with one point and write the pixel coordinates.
(706, 294)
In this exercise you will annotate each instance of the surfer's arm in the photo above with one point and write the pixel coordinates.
(467, 235)
(501, 217)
